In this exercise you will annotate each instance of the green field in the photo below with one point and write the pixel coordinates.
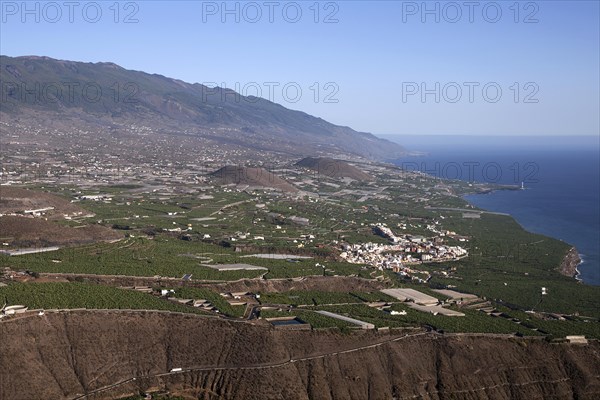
(215, 298)
(509, 264)
(162, 256)
(169, 257)
(473, 321)
(506, 265)
(311, 297)
(559, 329)
(317, 321)
(79, 295)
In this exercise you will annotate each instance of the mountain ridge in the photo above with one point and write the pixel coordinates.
(104, 93)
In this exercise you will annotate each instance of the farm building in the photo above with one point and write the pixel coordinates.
(289, 323)
(454, 295)
(12, 310)
(411, 295)
(362, 324)
(435, 310)
(234, 267)
(20, 252)
(577, 339)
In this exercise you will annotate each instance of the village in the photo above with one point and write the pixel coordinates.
(402, 251)
(349, 244)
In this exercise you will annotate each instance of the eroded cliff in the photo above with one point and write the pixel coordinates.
(65, 355)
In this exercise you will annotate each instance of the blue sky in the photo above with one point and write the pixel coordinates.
(370, 61)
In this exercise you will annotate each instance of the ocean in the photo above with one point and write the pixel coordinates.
(561, 177)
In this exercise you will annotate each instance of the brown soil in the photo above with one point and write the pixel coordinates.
(59, 356)
(259, 177)
(37, 232)
(331, 168)
(13, 199)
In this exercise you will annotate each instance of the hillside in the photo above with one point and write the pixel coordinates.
(78, 352)
(328, 167)
(254, 177)
(18, 200)
(31, 218)
(68, 94)
(23, 232)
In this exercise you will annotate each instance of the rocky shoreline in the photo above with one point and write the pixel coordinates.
(570, 262)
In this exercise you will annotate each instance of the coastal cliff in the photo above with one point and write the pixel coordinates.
(569, 264)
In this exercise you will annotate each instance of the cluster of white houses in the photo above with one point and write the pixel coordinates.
(403, 250)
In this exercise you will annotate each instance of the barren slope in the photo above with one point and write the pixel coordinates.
(170, 105)
(14, 199)
(37, 232)
(257, 177)
(71, 353)
(328, 167)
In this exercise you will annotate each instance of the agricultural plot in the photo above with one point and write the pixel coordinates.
(296, 298)
(556, 328)
(508, 264)
(474, 321)
(134, 257)
(215, 299)
(316, 320)
(170, 257)
(79, 295)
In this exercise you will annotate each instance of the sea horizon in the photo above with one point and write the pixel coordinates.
(560, 175)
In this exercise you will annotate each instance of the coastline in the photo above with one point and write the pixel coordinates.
(569, 265)
(560, 193)
(572, 259)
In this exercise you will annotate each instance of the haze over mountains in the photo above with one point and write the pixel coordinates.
(42, 90)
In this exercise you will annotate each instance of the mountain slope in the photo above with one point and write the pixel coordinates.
(105, 93)
(334, 168)
(73, 353)
(257, 177)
